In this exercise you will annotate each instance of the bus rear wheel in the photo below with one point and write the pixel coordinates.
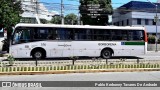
(38, 55)
(106, 53)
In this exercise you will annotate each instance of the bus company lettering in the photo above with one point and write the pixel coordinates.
(65, 45)
(107, 44)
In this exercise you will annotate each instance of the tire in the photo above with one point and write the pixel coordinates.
(106, 54)
(38, 55)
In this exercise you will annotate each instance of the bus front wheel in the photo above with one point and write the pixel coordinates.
(106, 53)
(38, 55)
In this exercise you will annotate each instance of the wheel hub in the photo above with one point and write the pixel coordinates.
(38, 55)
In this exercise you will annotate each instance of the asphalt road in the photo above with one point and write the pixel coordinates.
(108, 76)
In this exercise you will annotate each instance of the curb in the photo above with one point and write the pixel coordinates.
(80, 71)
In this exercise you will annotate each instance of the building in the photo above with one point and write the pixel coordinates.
(138, 13)
(34, 10)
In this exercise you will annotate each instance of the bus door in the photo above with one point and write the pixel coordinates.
(137, 42)
(63, 42)
(66, 36)
(19, 43)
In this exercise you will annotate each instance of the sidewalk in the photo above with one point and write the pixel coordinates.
(150, 55)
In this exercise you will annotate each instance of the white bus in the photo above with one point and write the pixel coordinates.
(49, 41)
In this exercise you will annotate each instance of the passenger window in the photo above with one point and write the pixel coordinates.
(65, 33)
(136, 35)
(40, 33)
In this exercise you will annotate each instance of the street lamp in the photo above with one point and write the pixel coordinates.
(156, 19)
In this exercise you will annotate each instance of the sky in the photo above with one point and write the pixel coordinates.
(71, 6)
(117, 3)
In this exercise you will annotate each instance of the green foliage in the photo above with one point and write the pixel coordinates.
(44, 21)
(11, 60)
(151, 39)
(56, 20)
(9, 13)
(70, 19)
(106, 7)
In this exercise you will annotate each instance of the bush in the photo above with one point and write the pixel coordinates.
(151, 39)
(11, 60)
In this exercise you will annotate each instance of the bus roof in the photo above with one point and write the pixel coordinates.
(81, 26)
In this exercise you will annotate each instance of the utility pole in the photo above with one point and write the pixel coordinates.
(62, 11)
(36, 12)
(156, 20)
(78, 19)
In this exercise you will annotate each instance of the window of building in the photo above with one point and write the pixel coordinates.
(153, 22)
(146, 22)
(127, 21)
(138, 21)
(117, 24)
(122, 23)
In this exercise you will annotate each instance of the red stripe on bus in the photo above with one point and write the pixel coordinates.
(145, 33)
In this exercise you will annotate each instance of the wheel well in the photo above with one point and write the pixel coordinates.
(38, 49)
(107, 49)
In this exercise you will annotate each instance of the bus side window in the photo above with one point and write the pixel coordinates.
(35, 34)
(52, 36)
(41, 33)
(136, 35)
(26, 35)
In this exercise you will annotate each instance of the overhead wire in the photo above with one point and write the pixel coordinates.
(72, 7)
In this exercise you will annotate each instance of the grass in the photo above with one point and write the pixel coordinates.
(77, 67)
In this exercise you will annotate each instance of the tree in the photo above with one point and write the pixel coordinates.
(70, 19)
(56, 20)
(44, 21)
(10, 11)
(95, 12)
